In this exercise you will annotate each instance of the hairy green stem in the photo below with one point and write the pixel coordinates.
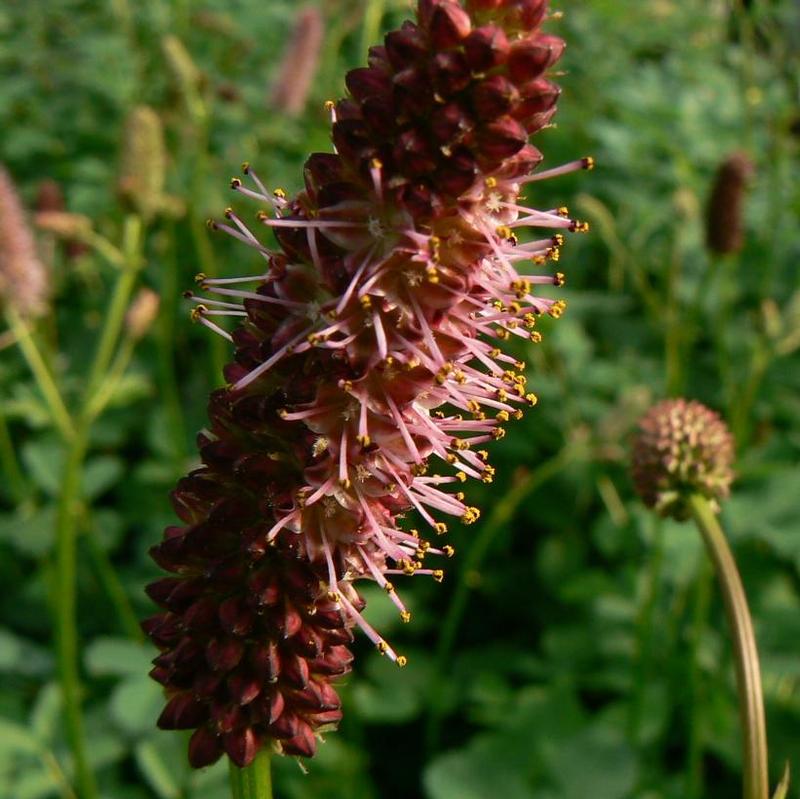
(41, 373)
(748, 674)
(254, 781)
(502, 511)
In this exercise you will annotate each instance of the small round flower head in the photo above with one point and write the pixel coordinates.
(682, 448)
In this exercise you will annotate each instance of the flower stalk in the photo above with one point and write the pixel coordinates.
(748, 674)
(253, 781)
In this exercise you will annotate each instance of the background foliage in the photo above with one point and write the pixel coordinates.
(577, 647)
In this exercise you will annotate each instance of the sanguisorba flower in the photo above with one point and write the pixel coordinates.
(24, 282)
(682, 448)
(367, 377)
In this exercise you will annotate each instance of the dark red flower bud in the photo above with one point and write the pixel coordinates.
(405, 46)
(528, 58)
(413, 94)
(367, 82)
(182, 712)
(457, 174)
(243, 688)
(501, 139)
(525, 15)
(493, 97)
(303, 744)
(449, 123)
(449, 25)
(205, 748)
(242, 746)
(450, 72)
(413, 153)
(536, 97)
(486, 47)
(224, 654)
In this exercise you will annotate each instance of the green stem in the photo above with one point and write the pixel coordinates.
(120, 300)
(748, 675)
(254, 781)
(695, 737)
(646, 627)
(128, 620)
(8, 457)
(41, 374)
(501, 513)
(69, 510)
(64, 603)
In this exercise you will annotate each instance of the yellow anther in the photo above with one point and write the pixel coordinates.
(329, 105)
(279, 193)
(539, 260)
(502, 416)
(504, 231)
(438, 575)
(491, 182)
(235, 183)
(197, 312)
(414, 532)
(473, 406)
(588, 162)
(262, 216)
(382, 647)
(200, 277)
(498, 433)
(559, 279)
(440, 527)
(536, 337)
(401, 660)
(366, 302)
(519, 365)
(376, 163)
(364, 440)
(389, 588)
(461, 477)
(459, 496)
(450, 458)
(531, 399)
(246, 167)
(405, 616)
(518, 414)
(345, 483)
(448, 551)
(432, 273)
(558, 240)
(563, 211)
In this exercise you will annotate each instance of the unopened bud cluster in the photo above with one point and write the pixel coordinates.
(369, 373)
(682, 448)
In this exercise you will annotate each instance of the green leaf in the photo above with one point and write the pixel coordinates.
(29, 532)
(16, 738)
(135, 704)
(100, 474)
(157, 773)
(10, 650)
(44, 459)
(45, 716)
(117, 656)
